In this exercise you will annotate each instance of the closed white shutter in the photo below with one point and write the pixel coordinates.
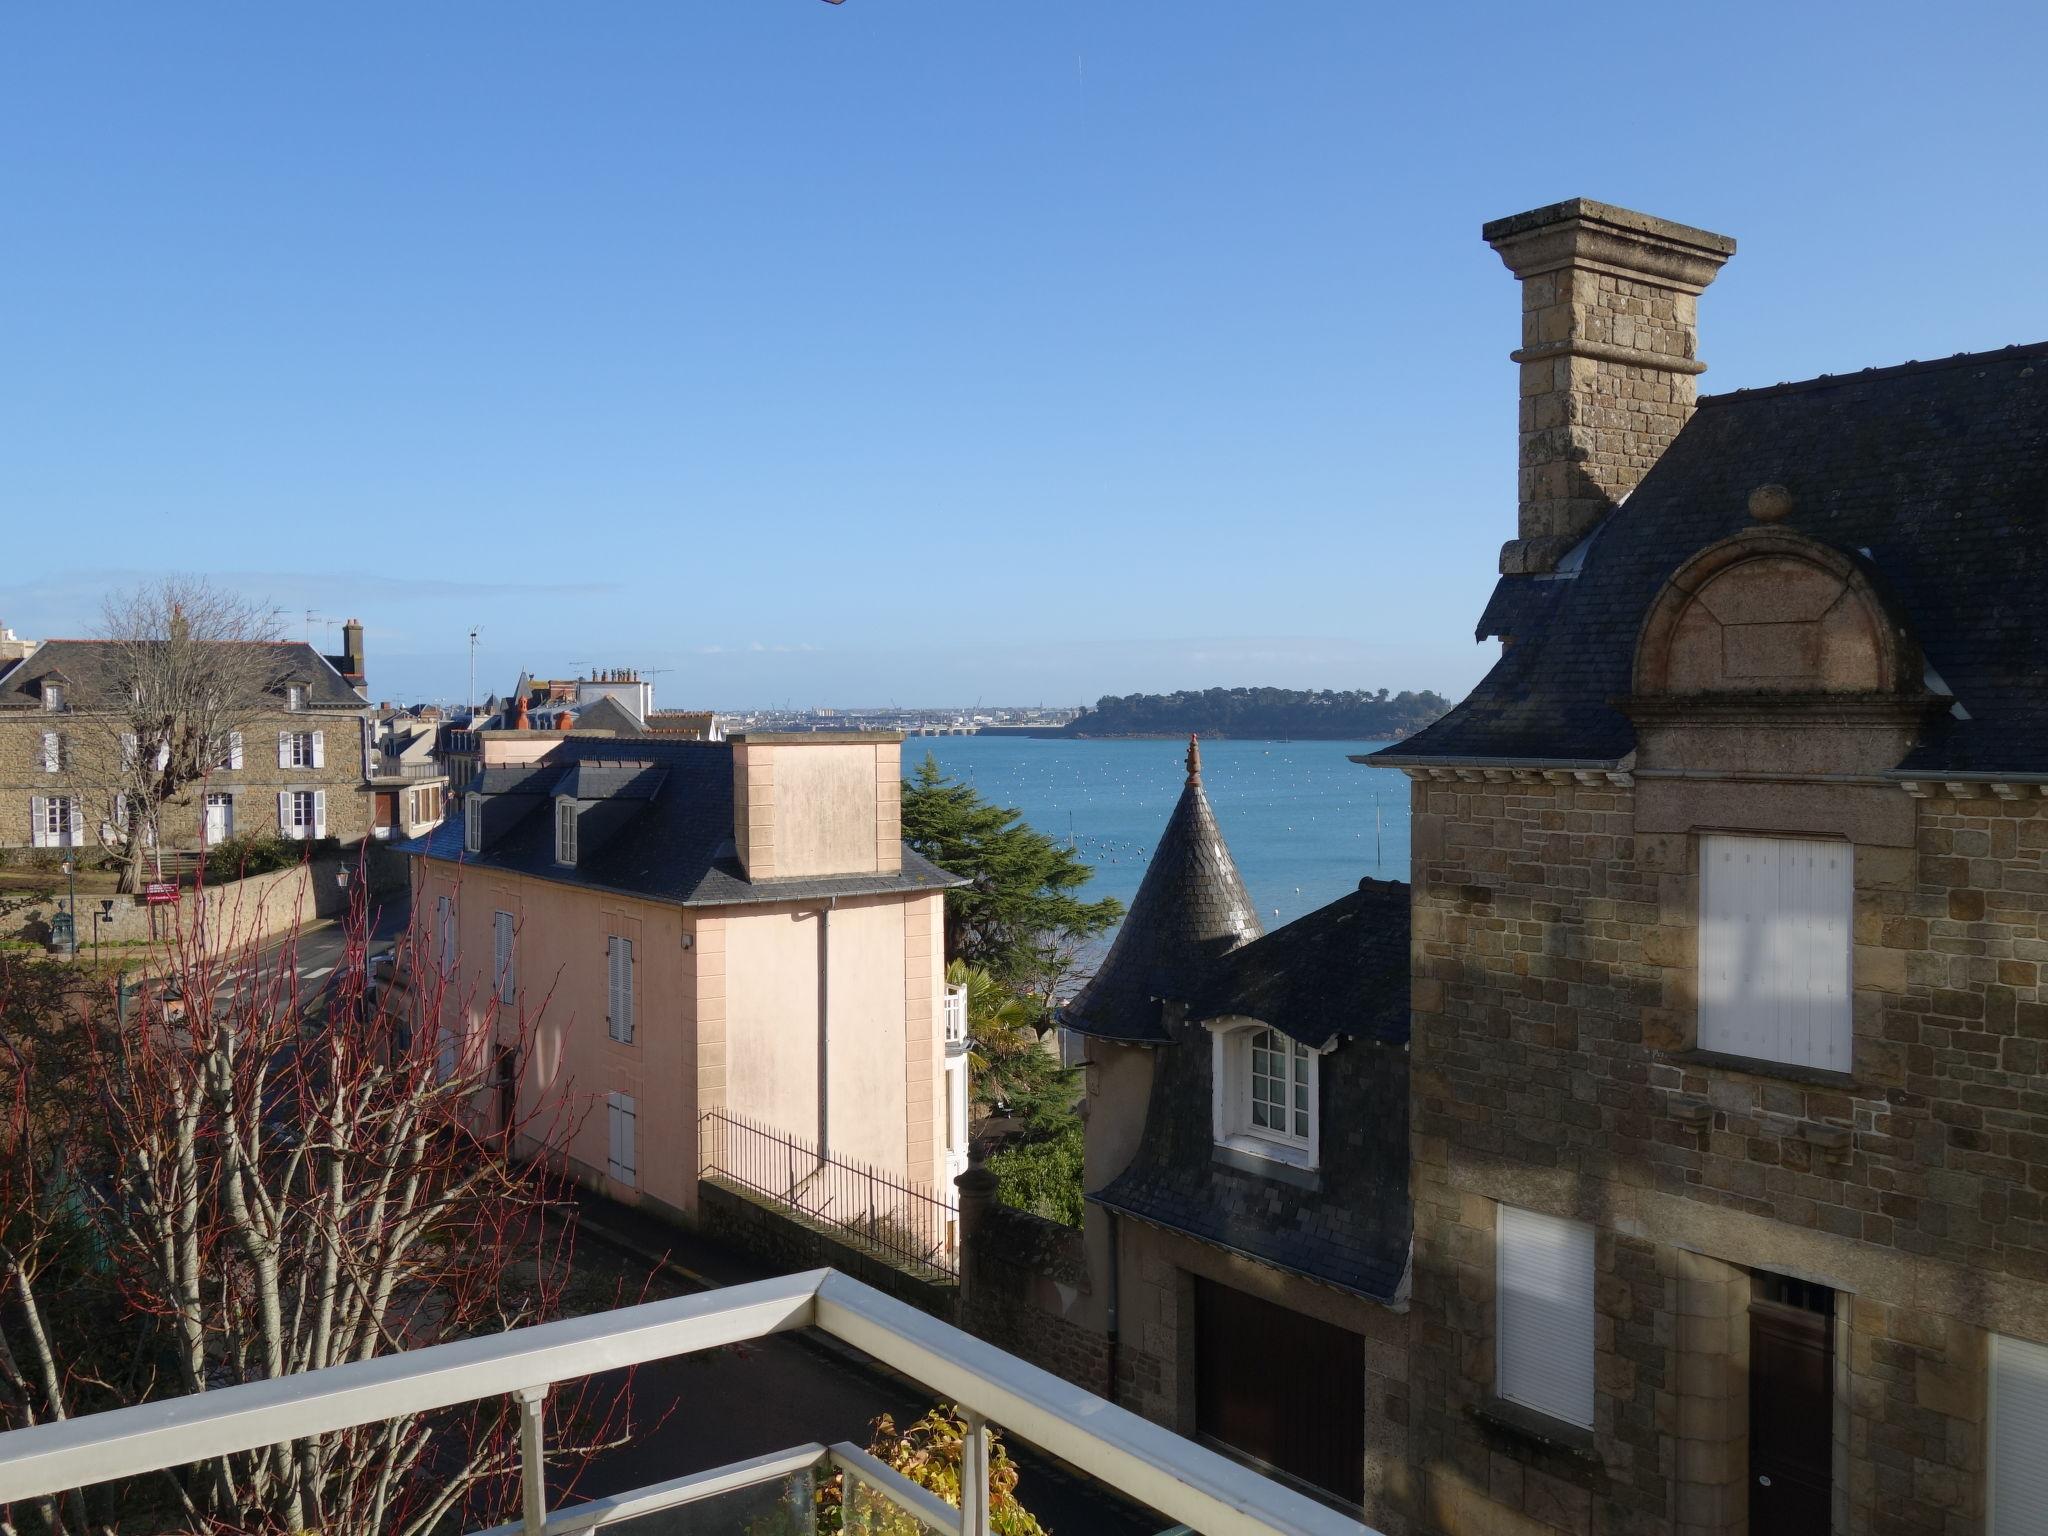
(163, 754)
(51, 752)
(38, 822)
(319, 813)
(128, 749)
(1775, 936)
(624, 1154)
(75, 806)
(619, 990)
(1544, 1314)
(284, 749)
(2019, 1438)
(501, 955)
(284, 814)
(235, 750)
(319, 749)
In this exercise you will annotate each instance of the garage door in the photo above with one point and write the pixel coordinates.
(1287, 1389)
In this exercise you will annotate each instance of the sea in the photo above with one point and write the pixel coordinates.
(1303, 821)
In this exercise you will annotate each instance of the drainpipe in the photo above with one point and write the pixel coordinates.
(825, 1029)
(1115, 1292)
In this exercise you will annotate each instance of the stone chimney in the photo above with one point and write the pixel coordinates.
(1610, 340)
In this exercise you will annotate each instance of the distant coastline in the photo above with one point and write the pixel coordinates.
(1254, 714)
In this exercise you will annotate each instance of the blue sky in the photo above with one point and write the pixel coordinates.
(914, 351)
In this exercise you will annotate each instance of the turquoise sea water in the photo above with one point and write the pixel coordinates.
(1298, 815)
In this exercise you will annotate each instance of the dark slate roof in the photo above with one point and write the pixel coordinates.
(1341, 970)
(1190, 909)
(605, 713)
(676, 848)
(1938, 470)
(611, 779)
(1347, 1223)
(93, 670)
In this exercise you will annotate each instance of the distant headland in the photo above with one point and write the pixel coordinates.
(1356, 714)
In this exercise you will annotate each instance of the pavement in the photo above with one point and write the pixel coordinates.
(703, 1411)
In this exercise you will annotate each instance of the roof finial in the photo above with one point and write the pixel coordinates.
(1194, 758)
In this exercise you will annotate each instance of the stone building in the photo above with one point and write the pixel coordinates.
(1730, 913)
(299, 768)
(1247, 1225)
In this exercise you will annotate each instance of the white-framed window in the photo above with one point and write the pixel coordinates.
(56, 821)
(1775, 949)
(53, 695)
(618, 955)
(504, 935)
(53, 751)
(302, 813)
(472, 823)
(229, 757)
(1543, 1314)
(444, 930)
(565, 832)
(1265, 1097)
(302, 749)
(623, 1159)
(2017, 1471)
(294, 696)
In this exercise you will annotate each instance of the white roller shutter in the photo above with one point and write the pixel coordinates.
(2019, 1438)
(1544, 1314)
(1775, 942)
(624, 1153)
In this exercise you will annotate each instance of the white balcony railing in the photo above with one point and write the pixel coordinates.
(1183, 1481)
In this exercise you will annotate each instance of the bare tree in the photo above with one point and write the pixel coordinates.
(238, 1182)
(189, 666)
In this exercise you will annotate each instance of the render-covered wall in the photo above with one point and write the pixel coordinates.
(828, 803)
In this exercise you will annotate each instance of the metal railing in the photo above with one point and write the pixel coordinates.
(883, 1212)
(398, 768)
(1181, 1480)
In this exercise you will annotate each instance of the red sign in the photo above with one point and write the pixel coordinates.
(159, 892)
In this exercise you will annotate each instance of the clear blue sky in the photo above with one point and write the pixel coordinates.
(914, 349)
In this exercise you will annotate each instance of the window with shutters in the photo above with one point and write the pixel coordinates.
(473, 824)
(1776, 923)
(299, 749)
(1543, 1314)
(503, 934)
(54, 821)
(229, 755)
(295, 696)
(301, 814)
(565, 832)
(624, 1159)
(444, 930)
(1265, 1099)
(2017, 1477)
(619, 990)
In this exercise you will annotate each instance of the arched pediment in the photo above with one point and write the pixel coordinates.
(1770, 611)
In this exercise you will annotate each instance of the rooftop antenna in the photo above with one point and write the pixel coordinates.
(313, 618)
(474, 631)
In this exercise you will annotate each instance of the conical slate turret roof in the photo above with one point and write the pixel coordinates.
(1191, 910)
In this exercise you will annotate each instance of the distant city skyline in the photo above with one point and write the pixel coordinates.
(834, 354)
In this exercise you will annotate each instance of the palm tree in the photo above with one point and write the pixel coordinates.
(1003, 1048)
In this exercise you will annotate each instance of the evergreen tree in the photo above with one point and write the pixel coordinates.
(1019, 917)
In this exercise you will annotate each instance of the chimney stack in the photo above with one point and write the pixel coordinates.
(1610, 338)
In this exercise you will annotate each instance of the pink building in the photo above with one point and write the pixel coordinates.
(697, 927)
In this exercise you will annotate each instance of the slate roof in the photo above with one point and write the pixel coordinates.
(1938, 470)
(610, 779)
(93, 671)
(1191, 909)
(677, 847)
(605, 713)
(1341, 970)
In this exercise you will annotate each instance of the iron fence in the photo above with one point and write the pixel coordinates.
(881, 1211)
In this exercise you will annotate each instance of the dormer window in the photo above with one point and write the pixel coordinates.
(53, 696)
(1265, 1093)
(294, 696)
(565, 832)
(473, 823)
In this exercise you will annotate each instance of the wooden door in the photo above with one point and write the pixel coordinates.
(1284, 1388)
(1791, 1413)
(387, 809)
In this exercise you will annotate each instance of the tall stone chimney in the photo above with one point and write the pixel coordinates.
(1610, 337)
